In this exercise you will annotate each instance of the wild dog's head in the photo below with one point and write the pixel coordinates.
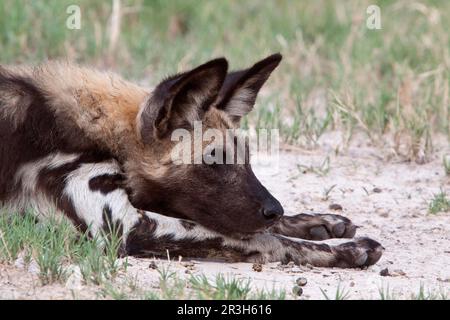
(224, 197)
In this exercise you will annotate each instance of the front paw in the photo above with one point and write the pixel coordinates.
(358, 253)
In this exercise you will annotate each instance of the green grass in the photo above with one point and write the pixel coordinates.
(429, 295)
(387, 294)
(228, 288)
(320, 170)
(173, 286)
(340, 294)
(49, 244)
(392, 84)
(55, 245)
(220, 287)
(440, 203)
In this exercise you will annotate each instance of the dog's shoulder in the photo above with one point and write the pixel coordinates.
(65, 85)
(101, 104)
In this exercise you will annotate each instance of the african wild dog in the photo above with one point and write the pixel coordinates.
(97, 148)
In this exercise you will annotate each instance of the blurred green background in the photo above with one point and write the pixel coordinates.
(392, 84)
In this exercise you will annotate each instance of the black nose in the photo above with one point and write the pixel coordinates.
(272, 210)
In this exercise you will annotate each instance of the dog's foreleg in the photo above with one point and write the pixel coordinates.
(155, 234)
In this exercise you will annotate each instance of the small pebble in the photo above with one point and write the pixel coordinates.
(385, 272)
(301, 281)
(376, 190)
(297, 290)
(335, 206)
(257, 267)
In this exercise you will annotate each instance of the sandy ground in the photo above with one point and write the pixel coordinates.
(388, 200)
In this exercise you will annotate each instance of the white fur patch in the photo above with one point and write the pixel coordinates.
(27, 175)
(89, 205)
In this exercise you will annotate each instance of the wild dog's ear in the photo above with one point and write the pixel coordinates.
(181, 99)
(238, 94)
